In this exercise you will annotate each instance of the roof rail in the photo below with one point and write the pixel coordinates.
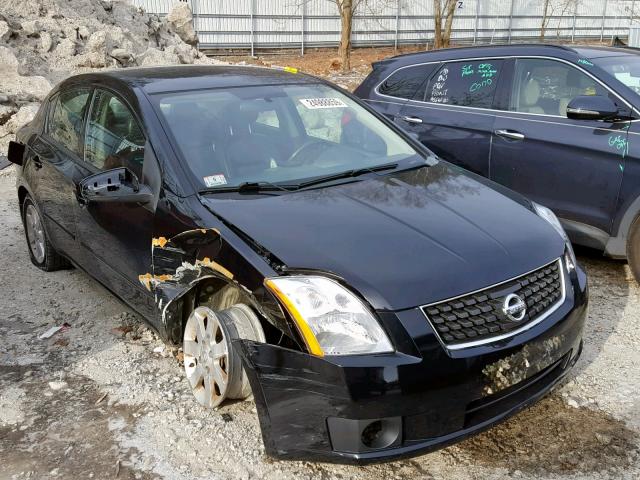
(469, 47)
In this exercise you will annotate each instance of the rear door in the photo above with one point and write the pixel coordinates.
(573, 167)
(453, 113)
(53, 158)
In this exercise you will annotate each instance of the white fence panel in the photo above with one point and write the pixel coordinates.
(307, 23)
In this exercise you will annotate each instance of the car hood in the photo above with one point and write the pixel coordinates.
(403, 239)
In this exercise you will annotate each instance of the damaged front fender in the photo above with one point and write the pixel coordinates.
(184, 260)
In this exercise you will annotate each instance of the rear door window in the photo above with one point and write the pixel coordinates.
(465, 83)
(407, 82)
(66, 118)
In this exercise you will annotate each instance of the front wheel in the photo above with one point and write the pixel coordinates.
(633, 248)
(211, 362)
(43, 254)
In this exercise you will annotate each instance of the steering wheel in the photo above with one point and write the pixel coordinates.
(301, 155)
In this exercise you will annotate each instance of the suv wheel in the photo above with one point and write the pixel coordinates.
(633, 248)
(43, 254)
(211, 363)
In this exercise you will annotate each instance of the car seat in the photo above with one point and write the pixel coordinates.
(194, 133)
(249, 152)
(529, 97)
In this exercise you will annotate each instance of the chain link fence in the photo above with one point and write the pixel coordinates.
(270, 24)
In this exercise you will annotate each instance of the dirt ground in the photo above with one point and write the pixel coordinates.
(102, 399)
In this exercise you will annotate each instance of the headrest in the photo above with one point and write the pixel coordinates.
(530, 93)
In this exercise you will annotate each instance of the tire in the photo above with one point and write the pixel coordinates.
(212, 365)
(42, 253)
(633, 248)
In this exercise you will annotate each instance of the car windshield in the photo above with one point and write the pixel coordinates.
(283, 134)
(624, 68)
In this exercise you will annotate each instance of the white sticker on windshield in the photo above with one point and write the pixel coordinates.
(215, 180)
(315, 103)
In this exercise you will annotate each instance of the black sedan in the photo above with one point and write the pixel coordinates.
(377, 301)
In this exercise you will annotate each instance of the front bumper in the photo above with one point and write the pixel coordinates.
(423, 396)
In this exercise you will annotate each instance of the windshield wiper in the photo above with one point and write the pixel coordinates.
(250, 187)
(356, 172)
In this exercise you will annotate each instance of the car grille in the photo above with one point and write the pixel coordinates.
(478, 317)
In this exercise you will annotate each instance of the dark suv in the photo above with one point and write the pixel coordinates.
(302, 248)
(552, 122)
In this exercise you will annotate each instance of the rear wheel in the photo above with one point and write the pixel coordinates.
(211, 362)
(43, 254)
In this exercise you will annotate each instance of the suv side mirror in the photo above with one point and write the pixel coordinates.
(592, 107)
(117, 185)
(15, 154)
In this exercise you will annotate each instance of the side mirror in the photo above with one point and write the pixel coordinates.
(16, 152)
(592, 107)
(117, 185)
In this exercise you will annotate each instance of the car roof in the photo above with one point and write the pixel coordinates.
(194, 77)
(599, 52)
(562, 51)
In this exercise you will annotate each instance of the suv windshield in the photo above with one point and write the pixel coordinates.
(276, 134)
(625, 68)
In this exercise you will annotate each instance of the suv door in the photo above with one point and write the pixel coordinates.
(453, 114)
(116, 236)
(573, 167)
(51, 166)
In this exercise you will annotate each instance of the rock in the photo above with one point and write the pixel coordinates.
(70, 31)
(31, 28)
(6, 113)
(83, 32)
(180, 20)
(122, 55)
(153, 56)
(58, 385)
(572, 403)
(5, 31)
(97, 42)
(186, 54)
(21, 118)
(66, 48)
(91, 60)
(8, 60)
(46, 42)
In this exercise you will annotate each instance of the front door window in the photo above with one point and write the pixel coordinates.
(546, 87)
(114, 138)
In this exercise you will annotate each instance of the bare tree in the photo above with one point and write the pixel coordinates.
(346, 9)
(549, 9)
(443, 11)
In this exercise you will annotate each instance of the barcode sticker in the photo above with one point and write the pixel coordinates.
(316, 103)
(215, 180)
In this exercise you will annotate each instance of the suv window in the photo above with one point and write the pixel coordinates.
(66, 117)
(406, 82)
(465, 83)
(114, 138)
(547, 86)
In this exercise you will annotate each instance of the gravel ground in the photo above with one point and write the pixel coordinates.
(103, 399)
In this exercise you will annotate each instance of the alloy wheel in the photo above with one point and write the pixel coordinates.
(35, 233)
(206, 357)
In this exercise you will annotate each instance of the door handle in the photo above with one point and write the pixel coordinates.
(411, 119)
(510, 134)
(37, 163)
